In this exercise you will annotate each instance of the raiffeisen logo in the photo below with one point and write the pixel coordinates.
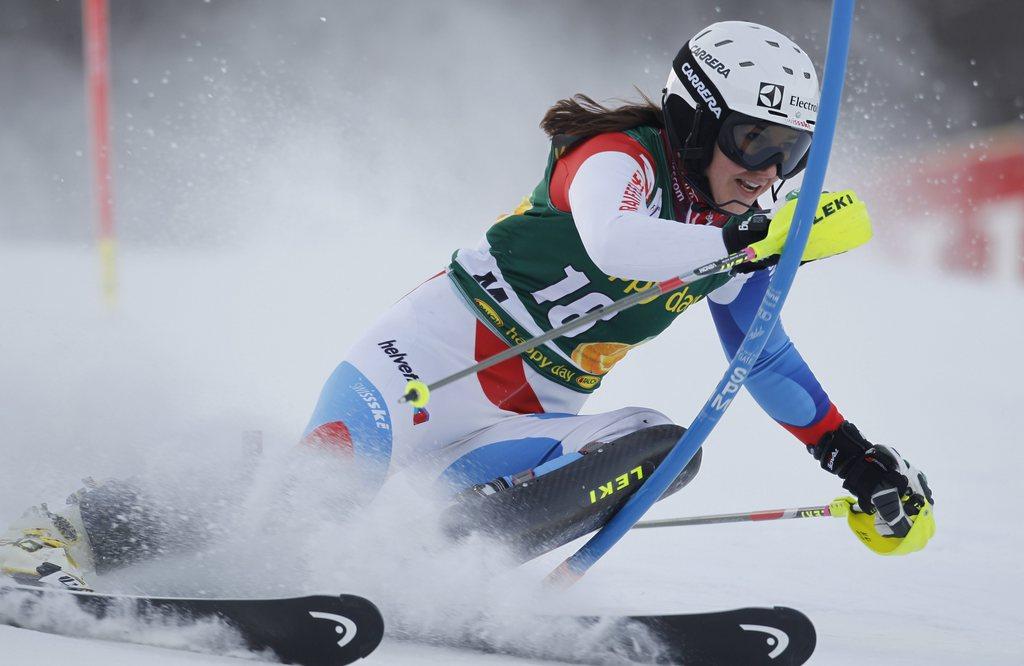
(701, 89)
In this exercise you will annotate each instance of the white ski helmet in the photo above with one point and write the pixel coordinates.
(735, 75)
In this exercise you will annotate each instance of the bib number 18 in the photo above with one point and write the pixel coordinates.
(560, 315)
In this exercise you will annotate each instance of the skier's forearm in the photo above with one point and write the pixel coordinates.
(609, 196)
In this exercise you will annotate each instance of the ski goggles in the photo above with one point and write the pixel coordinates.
(756, 144)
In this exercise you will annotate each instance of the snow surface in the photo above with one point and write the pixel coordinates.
(206, 344)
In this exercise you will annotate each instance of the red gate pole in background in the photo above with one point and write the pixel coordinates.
(97, 81)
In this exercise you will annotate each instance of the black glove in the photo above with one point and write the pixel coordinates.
(743, 230)
(880, 478)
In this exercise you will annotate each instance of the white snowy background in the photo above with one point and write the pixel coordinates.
(284, 173)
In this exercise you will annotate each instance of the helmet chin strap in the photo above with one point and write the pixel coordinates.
(776, 190)
(691, 151)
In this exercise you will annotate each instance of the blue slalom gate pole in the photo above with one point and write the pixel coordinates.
(767, 315)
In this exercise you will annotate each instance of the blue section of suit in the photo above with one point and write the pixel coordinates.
(780, 381)
(351, 398)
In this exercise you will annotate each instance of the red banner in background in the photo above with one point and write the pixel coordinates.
(972, 192)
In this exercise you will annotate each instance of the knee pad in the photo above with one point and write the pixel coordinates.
(541, 512)
(657, 441)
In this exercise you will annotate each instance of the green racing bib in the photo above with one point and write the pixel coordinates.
(532, 273)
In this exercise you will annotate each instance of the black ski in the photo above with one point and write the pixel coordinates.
(776, 635)
(313, 631)
(748, 636)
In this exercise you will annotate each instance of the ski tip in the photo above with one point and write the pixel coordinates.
(372, 626)
(801, 650)
(768, 636)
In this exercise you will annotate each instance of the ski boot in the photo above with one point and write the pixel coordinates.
(47, 549)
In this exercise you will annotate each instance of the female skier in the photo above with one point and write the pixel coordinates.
(631, 196)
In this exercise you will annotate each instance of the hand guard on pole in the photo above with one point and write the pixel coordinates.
(893, 496)
(865, 527)
(841, 223)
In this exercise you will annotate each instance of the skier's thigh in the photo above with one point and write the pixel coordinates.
(524, 442)
(428, 334)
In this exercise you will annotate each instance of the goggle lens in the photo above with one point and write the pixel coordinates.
(757, 144)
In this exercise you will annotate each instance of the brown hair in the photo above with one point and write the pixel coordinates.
(581, 117)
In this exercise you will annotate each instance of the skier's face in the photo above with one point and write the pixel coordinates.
(731, 182)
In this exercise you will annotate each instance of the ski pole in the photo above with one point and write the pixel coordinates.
(575, 566)
(417, 393)
(837, 508)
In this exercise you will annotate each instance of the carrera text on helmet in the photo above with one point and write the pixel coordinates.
(712, 62)
(702, 90)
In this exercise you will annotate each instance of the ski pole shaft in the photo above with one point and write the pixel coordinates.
(748, 516)
(415, 390)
